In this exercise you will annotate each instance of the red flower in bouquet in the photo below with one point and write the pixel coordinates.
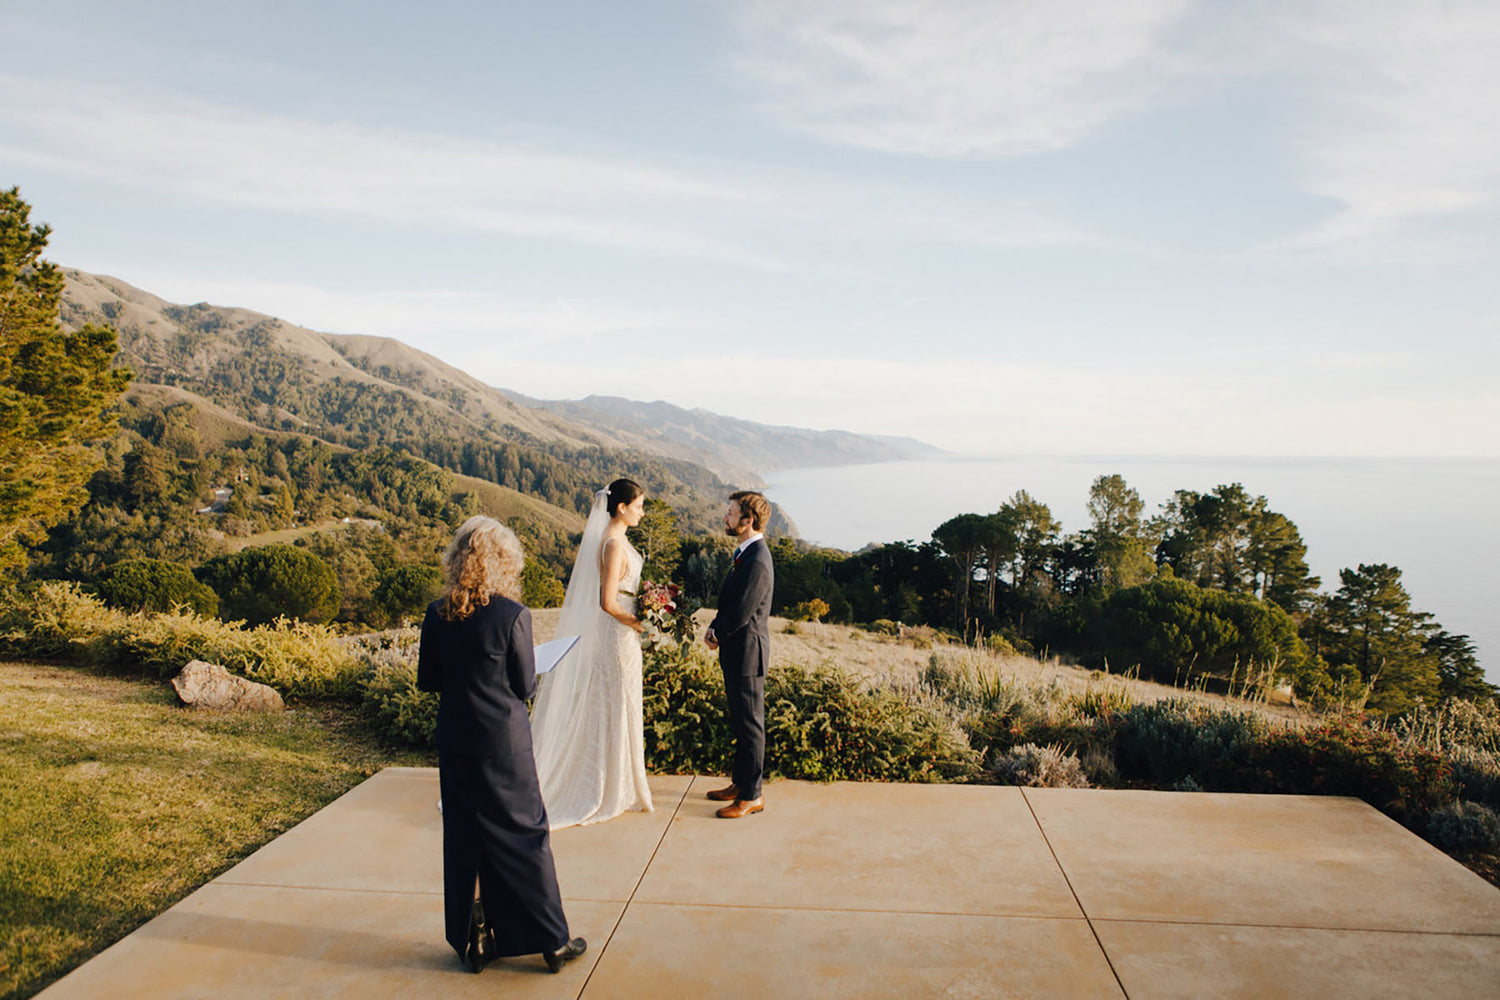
(669, 618)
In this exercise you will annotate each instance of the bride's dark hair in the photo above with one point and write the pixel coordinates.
(622, 491)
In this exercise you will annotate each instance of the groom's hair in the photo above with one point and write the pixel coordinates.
(755, 506)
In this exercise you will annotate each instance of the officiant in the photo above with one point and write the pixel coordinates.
(500, 888)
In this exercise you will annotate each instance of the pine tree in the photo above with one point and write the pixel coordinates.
(56, 390)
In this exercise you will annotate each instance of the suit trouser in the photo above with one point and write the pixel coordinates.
(746, 696)
(495, 827)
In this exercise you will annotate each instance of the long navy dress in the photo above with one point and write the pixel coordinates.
(494, 821)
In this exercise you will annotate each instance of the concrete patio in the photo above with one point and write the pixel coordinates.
(852, 890)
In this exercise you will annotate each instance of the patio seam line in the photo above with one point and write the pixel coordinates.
(1295, 927)
(1078, 902)
(854, 909)
(325, 888)
(666, 828)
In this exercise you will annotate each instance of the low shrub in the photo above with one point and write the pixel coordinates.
(1040, 767)
(1348, 757)
(1104, 699)
(1476, 775)
(399, 711)
(1162, 743)
(809, 611)
(687, 731)
(59, 621)
(821, 725)
(1452, 724)
(999, 644)
(1463, 827)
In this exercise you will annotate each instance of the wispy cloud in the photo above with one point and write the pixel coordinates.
(228, 156)
(732, 213)
(1412, 134)
(953, 77)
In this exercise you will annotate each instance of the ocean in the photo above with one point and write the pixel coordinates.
(1434, 518)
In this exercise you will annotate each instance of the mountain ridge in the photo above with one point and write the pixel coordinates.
(190, 345)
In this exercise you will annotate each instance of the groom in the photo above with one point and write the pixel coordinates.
(741, 632)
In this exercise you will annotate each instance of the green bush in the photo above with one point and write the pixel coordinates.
(999, 711)
(1347, 757)
(687, 730)
(539, 587)
(821, 725)
(1463, 827)
(259, 585)
(59, 621)
(404, 591)
(400, 711)
(154, 585)
(1476, 775)
(1173, 628)
(999, 644)
(1166, 742)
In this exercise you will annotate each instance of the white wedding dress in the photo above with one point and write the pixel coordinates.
(586, 721)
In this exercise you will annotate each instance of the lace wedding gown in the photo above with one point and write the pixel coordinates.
(586, 722)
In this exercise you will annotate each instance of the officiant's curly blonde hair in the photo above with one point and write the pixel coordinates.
(484, 559)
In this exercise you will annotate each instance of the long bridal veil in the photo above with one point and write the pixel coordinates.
(580, 610)
(561, 735)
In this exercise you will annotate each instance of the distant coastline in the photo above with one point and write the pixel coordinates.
(1429, 516)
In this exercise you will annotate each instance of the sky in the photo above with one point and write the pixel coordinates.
(1079, 226)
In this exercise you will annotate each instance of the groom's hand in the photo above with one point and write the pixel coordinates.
(710, 640)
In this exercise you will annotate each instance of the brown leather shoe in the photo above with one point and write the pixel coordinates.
(726, 794)
(741, 808)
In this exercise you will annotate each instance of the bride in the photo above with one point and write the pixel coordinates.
(586, 721)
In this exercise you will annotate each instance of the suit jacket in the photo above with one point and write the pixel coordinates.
(484, 668)
(743, 624)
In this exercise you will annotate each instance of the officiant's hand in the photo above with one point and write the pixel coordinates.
(710, 640)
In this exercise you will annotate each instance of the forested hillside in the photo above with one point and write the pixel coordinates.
(283, 378)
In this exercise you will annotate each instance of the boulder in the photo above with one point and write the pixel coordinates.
(208, 685)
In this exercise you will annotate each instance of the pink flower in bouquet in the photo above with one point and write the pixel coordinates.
(670, 619)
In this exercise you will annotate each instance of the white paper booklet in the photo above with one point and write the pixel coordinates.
(550, 654)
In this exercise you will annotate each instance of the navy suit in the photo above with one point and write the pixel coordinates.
(494, 821)
(743, 630)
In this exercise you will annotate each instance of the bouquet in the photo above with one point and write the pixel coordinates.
(668, 618)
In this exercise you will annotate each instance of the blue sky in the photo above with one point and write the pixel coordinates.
(1080, 226)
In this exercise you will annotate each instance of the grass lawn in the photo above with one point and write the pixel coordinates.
(116, 802)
